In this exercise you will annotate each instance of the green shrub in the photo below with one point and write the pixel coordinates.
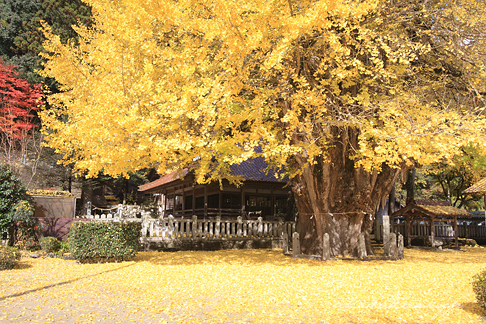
(479, 288)
(64, 246)
(15, 210)
(50, 244)
(8, 257)
(104, 241)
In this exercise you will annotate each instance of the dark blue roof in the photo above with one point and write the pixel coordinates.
(255, 169)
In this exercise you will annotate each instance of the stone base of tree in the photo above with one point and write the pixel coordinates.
(158, 244)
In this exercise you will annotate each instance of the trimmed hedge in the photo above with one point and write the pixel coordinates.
(50, 244)
(104, 241)
(8, 257)
(479, 288)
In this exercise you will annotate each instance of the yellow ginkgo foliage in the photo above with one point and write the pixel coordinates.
(343, 94)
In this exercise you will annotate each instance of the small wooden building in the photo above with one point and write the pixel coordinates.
(262, 194)
(439, 218)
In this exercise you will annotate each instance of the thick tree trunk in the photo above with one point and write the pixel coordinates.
(335, 197)
(410, 185)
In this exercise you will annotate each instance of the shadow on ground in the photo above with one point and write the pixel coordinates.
(474, 308)
(62, 283)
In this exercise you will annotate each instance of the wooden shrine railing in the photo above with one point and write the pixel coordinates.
(441, 231)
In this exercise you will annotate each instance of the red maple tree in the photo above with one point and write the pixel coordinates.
(19, 102)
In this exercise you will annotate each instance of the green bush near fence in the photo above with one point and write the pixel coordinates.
(479, 288)
(8, 257)
(50, 244)
(104, 241)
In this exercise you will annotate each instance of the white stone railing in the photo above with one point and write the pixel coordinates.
(189, 229)
(172, 228)
(118, 213)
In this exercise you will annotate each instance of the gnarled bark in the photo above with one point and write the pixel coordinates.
(334, 196)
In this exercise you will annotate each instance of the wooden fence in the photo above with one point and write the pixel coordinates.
(441, 231)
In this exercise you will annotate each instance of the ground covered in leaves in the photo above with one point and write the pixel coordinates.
(245, 286)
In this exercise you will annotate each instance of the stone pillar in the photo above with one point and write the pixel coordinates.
(171, 225)
(377, 231)
(361, 246)
(386, 234)
(144, 229)
(120, 211)
(401, 253)
(392, 245)
(151, 227)
(218, 226)
(432, 232)
(326, 247)
(199, 228)
(285, 243)
(260, 226)
(295, 244)
(239, 226)
(280, 226)
(194, 226)
(88, 208)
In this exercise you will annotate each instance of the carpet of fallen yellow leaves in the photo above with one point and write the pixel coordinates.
(245, 286)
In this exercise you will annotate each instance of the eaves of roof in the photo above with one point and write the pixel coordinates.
(478, 187)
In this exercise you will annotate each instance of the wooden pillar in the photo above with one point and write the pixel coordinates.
(432, 231)
(455, 233)
(165, 202)
(193, 200)
(274, 203)
(205, 201)
(220, 198)
(183, 200)
(242, 193)
(409, 231)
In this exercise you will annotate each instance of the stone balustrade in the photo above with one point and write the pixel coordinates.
(171, 228)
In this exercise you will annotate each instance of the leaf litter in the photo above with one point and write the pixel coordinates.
(245, 286)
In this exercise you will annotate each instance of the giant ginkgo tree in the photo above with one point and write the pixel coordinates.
(344, 95)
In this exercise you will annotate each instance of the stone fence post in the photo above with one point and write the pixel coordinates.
(218, 226)
(326, 247)
(295, 244)
(392, 246)
(386, 234)
(260, 226)
(285, 243)
(239, 226)
(194, 226)
(280, 226)
(361, 246)
(401, 253)
(171, 225)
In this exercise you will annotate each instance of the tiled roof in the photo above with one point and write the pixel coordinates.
(431, 208)
(438, 210)
(165, 179)
(478, 187)
(252, 169)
